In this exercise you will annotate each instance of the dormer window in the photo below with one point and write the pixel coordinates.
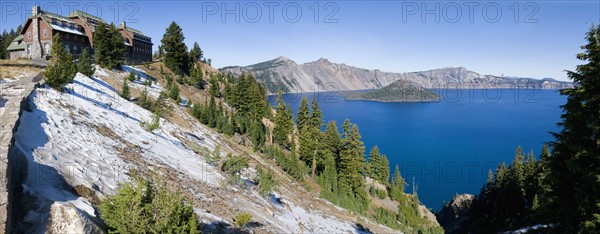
(72, 25)
(54, 21)
(64, 24)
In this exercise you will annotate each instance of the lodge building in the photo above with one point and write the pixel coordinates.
(76, 32)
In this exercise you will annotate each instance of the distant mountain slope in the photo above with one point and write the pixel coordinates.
(323, 75)
(399, 91)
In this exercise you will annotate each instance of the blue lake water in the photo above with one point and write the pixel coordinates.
(448, 147)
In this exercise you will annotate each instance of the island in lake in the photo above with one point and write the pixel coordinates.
(398, 91)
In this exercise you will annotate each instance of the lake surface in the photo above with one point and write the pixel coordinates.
(448, 147)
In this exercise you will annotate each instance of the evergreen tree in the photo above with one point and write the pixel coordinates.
(131, 76)
(3, 52)
(176, 55)
(397, 186)
(283, 122)
(108, 46)
(125, 93)
(350, 163)
(303, 118)
(61, 69)
(331, 140)
(174, 91)
(378, 166)
(144, 207)
(195, 53)
(316, 117)
(214, 87)
(85, 63)
(68, 67)
(574, 167)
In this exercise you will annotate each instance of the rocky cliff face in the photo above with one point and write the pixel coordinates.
(323, 75)
(455, 212)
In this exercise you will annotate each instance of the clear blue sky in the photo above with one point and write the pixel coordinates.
(539, 39)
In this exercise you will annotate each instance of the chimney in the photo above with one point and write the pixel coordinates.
(35, 10)
(124, 25)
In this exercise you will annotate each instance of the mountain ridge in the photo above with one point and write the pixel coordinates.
(289, 76)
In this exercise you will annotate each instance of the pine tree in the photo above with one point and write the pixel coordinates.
(125, 90)
(214, 87)
(316, 117)
(351, 162)
(85, 63)
(3, 51)
(68, 67)
(195, 53)
(331, 140)
(176, 55)
(108, 46)
(397, 186)
(61, 69)
(283, 122)
(378, 167)
(131, 76)
(141, 206)
(303, 118)
(574, 167)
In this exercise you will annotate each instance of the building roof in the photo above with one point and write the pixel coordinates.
(90, 20)
(17, 44)
(67, 29)
(49, 16)
(55, 22)
(85, 15)
(137, 34)
(130, 29)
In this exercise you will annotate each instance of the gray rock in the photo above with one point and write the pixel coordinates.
(323, 75)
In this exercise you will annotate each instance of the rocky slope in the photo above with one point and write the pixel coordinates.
(455, 212)
(80, 144)
(323, 75)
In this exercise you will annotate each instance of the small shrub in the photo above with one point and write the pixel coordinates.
(144, 207)
(131, 76)
(242, 219)
(215, 157)
(233, 165)
(266, 182)
(154, 124)
(125, 93)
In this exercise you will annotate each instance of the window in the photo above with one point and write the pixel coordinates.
(75, 49)
(47, 48)
(45, 32)
(72, 25)
(54, 21)
(67, 49)
(64, 24)
(28, 49)
(67, 35)
(28, 35)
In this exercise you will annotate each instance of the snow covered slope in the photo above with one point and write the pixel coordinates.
(82, 143)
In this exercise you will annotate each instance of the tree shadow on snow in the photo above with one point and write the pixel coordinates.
(97, 102)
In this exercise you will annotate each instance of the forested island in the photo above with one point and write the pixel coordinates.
(399, 91)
